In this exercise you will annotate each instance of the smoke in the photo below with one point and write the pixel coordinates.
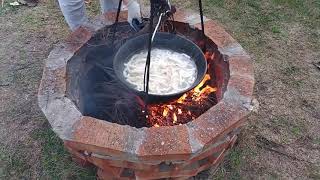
(103, 95)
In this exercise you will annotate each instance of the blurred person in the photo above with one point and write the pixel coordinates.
(75, 14)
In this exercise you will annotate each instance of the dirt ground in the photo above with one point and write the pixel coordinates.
(280, 141)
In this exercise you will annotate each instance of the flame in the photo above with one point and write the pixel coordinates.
(165, 112)
(205, 92)
(182, 98)
(174, 117)
(188, 107)
(205, 79)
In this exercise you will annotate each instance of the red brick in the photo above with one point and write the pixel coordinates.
(77, 39)
(115, 171)
(244, 85)
(104, 175)
(188, 16)
(53, 82)
(233, 141)
(183, 173)
(145, 175)
(180, 15)
(74, 151)
(206, 154)
(214, 162)
(183, 178)
(100, 137)
(220, 78)
(241, 65)
(111, 16)
(165, 143)
(216, 33)
(217, 122)
(81, 162)
(123, 163)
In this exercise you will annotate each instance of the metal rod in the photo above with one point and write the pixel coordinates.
(157, 27)
(114, 30)
(168, 1)
(147, 67)
(202, 23)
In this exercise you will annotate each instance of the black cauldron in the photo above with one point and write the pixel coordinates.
(165, 41)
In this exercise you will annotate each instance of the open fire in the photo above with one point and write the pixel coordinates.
(188, 107)
(100, 121)
(101, 95)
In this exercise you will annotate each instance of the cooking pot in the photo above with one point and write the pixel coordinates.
(163, 41)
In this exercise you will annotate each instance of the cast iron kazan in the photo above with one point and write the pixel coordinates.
(161, 40)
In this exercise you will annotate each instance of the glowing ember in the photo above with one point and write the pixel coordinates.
(165, 112)
(174, 117)
(188, 107)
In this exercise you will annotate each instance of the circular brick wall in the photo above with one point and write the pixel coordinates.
(125, 152)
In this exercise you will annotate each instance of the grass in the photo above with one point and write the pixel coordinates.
(276, 29)
(260, 26)
(22, 159)
(13, 162)
(232, 165)
(291, 70)
(287, 128)
(314, 172)
(32, 21)
(7, 8)
(4, 161)
(317, 141)
(93, 8)
(297, 131)
(292, 76)
(56, 160)
(251, 19)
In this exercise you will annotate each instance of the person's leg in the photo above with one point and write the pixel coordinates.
(74, 12)
(109, 5)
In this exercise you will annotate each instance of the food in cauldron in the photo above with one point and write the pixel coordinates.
(170, 71)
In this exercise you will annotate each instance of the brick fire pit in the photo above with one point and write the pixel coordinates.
(125, 152)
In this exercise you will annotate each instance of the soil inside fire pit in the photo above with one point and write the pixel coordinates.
(95, 89)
